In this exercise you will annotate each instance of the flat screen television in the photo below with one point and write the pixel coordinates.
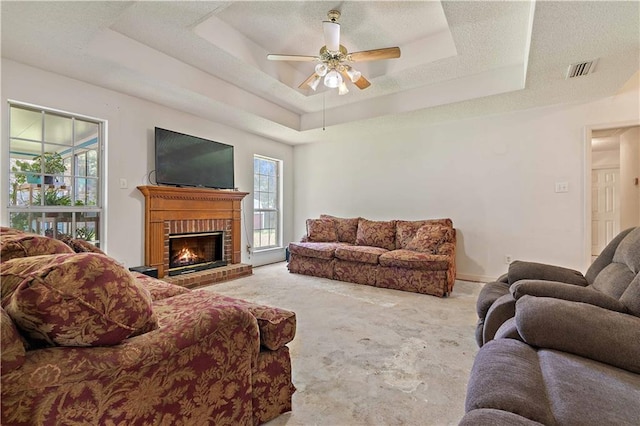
(183, 160)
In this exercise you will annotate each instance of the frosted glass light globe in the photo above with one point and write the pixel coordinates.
(333, 79)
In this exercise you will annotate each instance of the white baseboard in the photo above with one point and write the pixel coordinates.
(475, 278)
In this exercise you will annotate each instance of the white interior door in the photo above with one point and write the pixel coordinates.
(605, 210)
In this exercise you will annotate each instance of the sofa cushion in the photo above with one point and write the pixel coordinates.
(614, 279)
(582, 329)
(347, 228)
(631, 297)
(158, 289)
(376, 234)
(321, 230)
(415, 260)
(628, 251)
(80, 299)
(316, 250)
(429, 237)
(406, 230)
(363, 254)
(493, 417)
(13, 245)
(13, 352)
(551, 387)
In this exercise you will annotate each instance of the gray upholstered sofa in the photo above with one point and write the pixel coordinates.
(606, 279)
(570, 353)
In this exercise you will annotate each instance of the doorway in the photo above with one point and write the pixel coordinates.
(605, 211)
(612, 193)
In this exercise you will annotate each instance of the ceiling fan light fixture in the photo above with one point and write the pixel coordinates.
(313, 84)
(342, 89)
(353, 74)
(333, 79)
(321, 69)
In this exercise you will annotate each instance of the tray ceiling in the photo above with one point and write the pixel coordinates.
(459, 59)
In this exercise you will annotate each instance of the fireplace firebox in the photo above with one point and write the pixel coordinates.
(191, 252)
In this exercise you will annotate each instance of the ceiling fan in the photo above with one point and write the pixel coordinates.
(334, 60)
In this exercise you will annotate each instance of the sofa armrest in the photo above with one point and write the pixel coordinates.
(199, 345)
(581, 329)
(488, 295)
(519, 270)
(277, 326)
(508, 330)
(447, 249)
(499, 312)
(564, 291)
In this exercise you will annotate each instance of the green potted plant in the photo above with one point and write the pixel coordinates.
(51, 162)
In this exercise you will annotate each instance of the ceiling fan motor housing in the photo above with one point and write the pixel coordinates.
(333, 15)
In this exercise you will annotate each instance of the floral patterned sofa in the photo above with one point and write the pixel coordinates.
(417, 256)
(85, 341)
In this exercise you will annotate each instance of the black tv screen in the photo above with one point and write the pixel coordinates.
(183, 160)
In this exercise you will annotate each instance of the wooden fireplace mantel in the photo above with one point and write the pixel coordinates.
(168, 203)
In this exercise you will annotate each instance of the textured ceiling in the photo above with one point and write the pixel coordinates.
(459, 59)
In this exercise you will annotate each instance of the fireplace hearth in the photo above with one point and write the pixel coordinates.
(192, 252)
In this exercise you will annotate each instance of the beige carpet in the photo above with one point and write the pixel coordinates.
(370, 356)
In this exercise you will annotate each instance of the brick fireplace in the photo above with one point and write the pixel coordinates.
(172, 211)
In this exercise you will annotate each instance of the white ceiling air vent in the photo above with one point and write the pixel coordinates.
(581, 68)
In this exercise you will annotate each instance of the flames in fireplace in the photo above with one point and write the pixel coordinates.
(185, 256)
(195, 251)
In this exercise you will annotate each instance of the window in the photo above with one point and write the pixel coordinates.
(266, 202)
(55, 164)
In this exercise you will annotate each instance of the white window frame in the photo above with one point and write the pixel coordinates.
(98, 208)
(277, 210)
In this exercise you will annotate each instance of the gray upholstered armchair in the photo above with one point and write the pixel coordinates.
(575, 364)
(605, 285)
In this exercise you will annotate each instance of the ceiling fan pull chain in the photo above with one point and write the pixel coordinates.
(324, 108)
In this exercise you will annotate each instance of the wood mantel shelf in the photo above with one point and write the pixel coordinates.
(169, 203)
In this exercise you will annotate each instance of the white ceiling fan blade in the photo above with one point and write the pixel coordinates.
(303, 58)
(331, 35)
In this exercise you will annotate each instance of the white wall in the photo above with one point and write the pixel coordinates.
(494, 176)
(629, 172)
(130, 155)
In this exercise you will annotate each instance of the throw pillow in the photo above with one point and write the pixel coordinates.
(376, 234)
(13, 245)
(321, 230)
(406, 230)
(429, 238)
(12, 273)
(80, 246)
(81, 299)
(346, 228)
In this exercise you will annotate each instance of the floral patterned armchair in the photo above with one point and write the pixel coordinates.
(84, 341)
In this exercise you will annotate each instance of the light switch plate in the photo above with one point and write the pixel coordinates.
(562, 186)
